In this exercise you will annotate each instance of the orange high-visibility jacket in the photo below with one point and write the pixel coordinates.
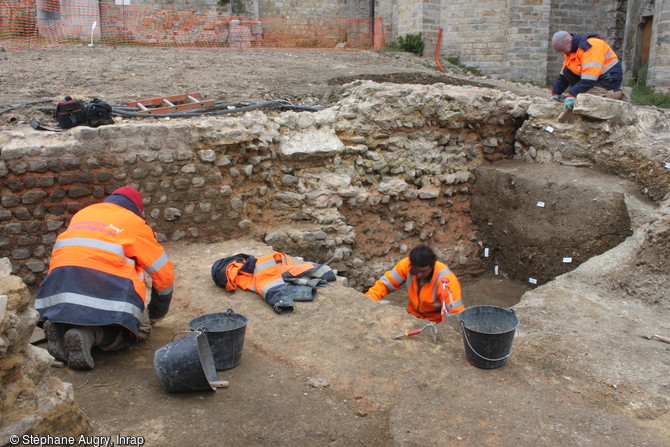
(589, 64)
(268, 271)
(96, 274)
(424, 302)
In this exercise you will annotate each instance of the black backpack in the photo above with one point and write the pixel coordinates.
(70, 113)
(75, 112)
(98, 113)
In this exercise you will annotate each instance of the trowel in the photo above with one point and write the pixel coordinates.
(657, 337)
(431, 325)
(564, 115)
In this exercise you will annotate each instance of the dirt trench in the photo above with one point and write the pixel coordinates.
(330, 373)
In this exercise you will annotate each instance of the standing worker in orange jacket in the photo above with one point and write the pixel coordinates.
(94, 293)
(589, 66)
(424, 277)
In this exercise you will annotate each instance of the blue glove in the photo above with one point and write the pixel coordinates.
(556, 98)
(569, 102)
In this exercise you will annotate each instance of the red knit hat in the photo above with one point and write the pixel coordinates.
(134, 195)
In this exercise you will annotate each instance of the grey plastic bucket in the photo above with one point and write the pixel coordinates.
(186, 364)
(488, 333)
(225, 333)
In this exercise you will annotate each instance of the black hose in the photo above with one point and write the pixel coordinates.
(16, 106)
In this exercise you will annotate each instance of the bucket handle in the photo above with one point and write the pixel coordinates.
(478, 354)
(187, 332)
(205, 329)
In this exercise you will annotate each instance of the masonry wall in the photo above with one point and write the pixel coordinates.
(31, 400)
(639, 12)
(294, 9)
(360, 183)
(291, 9)
(659, 57)
(409, 18)
(464, 27)
(187, 5)
(527, 45)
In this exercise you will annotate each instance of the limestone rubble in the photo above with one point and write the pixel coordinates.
(31, 400)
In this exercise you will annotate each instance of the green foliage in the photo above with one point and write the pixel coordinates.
(454, 60)
(410, 43)
(644, 95)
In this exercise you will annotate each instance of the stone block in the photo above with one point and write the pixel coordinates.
(77, 192)
(3, 307)
(10, 200)
(312, 143)
(20, 329)
(596, 107)
(18, 295)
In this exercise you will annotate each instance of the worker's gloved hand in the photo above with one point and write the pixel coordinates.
(556, 98)
(569, 102)
(159, 305)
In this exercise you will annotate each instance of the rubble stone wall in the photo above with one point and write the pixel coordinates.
(355, 185)
(608, 135)
(31, 401)
(389, 165)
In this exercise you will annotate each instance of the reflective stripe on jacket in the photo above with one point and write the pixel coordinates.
(96, 274)
(424, 301)
(268, 271)
(275, 277)
(591, 57)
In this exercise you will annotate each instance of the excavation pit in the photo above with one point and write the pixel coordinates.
(576, 358)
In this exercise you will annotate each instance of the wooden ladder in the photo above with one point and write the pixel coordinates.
(170, 104)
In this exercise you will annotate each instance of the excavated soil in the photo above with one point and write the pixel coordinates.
(119, 75)
(330, 373)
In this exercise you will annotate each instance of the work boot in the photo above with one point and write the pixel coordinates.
(78, 342)
(54, 333)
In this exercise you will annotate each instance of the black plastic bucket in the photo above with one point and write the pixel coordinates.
(186, 364)
(225, 333)
(488, 333)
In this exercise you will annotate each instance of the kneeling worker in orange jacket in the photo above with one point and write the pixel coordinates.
(425, 279)
(94, 293)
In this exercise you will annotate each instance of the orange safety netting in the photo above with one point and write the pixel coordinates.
(48, 23)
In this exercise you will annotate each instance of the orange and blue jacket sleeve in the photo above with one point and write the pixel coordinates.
(377, 291)
(389, 282)
(152, 258)
(455, 288)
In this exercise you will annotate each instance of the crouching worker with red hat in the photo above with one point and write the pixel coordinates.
(94, 293)
(433, 289)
